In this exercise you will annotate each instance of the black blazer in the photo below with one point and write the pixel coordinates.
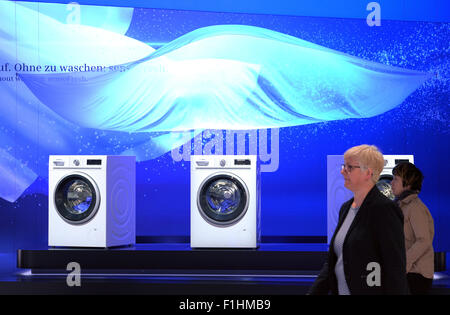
(375, 235)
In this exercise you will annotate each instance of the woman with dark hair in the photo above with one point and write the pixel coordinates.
(418, 227)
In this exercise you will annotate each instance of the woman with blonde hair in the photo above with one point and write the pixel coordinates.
(367, 251)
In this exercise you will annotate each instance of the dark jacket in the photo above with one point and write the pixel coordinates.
(375, 235)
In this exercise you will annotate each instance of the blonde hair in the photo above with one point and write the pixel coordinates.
(368, 156)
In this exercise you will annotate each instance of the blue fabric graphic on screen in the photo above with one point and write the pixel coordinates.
(227, 77)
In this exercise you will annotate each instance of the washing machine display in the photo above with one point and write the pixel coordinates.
(92, 201)
(223, 199)
(76, 198)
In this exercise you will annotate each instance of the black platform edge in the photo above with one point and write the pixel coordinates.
(204, 261)
(285, 239)
(440, 261)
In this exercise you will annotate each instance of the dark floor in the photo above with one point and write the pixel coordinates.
(172, 282)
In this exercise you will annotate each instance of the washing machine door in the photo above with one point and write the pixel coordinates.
(223, 199)
(385, 187)
(77, 198)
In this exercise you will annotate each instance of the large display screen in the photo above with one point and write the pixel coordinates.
(164, 84)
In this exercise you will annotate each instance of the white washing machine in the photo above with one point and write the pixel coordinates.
(225, 201)
(337, 194)
(92, 201)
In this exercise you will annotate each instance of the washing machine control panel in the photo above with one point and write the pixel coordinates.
(56, 161)
(390, 161)
(223, 161)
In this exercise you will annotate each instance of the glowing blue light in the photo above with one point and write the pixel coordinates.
(227, 77)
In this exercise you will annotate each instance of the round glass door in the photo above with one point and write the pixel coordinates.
(385, 187)
(76, 199)
(223, 199)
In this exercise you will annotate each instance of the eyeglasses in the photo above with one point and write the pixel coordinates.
(348, 168)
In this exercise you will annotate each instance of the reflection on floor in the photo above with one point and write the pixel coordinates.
(172, 282)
